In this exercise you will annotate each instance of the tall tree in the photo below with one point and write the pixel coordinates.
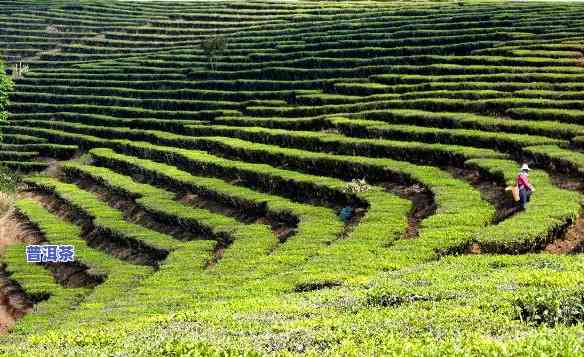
(5, 87)
(212, 46)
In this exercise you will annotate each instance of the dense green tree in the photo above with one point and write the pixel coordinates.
(212, 47)
(5, 86)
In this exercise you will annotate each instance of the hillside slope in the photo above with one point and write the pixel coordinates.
(202, 191)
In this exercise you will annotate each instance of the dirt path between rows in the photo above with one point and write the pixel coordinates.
(423, 204)
(492, 191)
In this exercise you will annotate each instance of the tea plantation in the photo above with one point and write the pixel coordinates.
(198, 155)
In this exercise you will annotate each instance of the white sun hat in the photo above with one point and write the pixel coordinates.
(524, 167)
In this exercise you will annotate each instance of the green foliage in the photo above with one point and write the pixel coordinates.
(99, 213)
(548, 214)
(551, 307)
(318, 141)
(8, 181)
(213, 46)
(472, 121)
(5, 88)
(566, 161)
(119, 275)
(505, 142)
(229, 181)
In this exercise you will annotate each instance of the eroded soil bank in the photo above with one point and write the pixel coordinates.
(13, 304)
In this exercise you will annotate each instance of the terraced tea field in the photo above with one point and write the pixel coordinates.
(202, 191)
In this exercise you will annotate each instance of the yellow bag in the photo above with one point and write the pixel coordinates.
(514, 191)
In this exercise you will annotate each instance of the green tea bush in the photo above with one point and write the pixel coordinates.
(257, 153)
(8, 180)
(551, 307)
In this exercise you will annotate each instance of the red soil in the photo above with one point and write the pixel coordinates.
(573, 241)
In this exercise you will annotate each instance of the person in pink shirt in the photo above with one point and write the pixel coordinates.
(525, 188)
